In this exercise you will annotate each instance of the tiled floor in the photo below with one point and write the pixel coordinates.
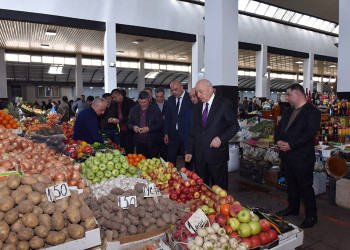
(332, 230)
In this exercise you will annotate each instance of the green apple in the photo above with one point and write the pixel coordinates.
(211, 210)
(96, 180)
(255, 226)
(125, 165)
(108, 173)
(244, 216)
(244, 230)
(115, 160)
(205, 209)
(110, 165)
(149, 178)
(95, 169)
(122, 159)
(104, 160)
(116, 152)
(90, 175)
(102, 167)
(109, 156)
(255, 218)
(99, 174)
(128, 175)
(115, 172)
(89, 164)
(122, 171)
(135, 175)
(104, 179)
(233, 223)
(97, 161)
(118, 165)
(99, 154)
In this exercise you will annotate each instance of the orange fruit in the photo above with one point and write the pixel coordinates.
(225, 209)
(8, 126)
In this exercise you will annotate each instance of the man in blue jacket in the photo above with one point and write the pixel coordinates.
(86, 125)
(175, 119)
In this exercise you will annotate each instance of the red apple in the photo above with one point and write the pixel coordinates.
(170, 164)
(193, 207)
(187, 183)
(178, 200)
(230, 199)
(182, 181)
(235, 235)
(216, 204)
(203, 196)
(247, 242)
(178, 191)
(212, 196)
(196, 195)
(255, 241)
(208, 193)
(176, 185)
(194, 176)
(235, 209)
(211, 203)
(183, 170)
(171, 182)
(264, 238)
(196, 188)
(198, 202)
(192, 182)
(206, 200)
(191, 189)
(199, 181)
(228, 229)
(218, 208)
(173, 196)
(217, 197)
(189, 174)
(211, 220)
(183, 197)
(222, 200)
(221, 219)
(190, 196)
(265, 225)
(203, 188)
(185, 190)
(273, 234)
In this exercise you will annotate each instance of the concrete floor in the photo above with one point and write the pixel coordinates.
(332, 230)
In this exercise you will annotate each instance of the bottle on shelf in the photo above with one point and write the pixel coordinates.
(276, 110)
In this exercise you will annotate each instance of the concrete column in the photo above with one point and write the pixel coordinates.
(197, 60)
(268, 86)
(308, 72)
(141, 81)
(110, 59)
(221, 47)
(320, 85)
(189, 82)
(3, 80)
(261, 87)
(78, 76)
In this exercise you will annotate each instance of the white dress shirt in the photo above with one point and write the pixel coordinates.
(210, 102)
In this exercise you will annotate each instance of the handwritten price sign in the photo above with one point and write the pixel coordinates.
(125, 201)
(151, 191)
(57, 192)
(197, 220)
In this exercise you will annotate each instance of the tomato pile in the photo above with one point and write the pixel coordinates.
(67, 129)
(7, 121)
(134, 159)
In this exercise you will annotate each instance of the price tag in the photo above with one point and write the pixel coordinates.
(183, 176)
(151, 191)
(163, 162)
(57, 192)
(197, 220)
(125, 201)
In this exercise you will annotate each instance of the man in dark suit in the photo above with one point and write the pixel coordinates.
(213, 124)
(162, 103)
(124, 106)
(295, 136)
(175, 119)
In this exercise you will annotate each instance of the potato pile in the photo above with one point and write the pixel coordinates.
(115, 222)
(29, 221)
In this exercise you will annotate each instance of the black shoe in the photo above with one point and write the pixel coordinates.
(309, 221)
(287, 211)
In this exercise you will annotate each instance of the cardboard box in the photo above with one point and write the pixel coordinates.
(133, 241)
(92, 238)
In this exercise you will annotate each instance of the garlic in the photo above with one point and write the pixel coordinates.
(221, 232)
(233, 243)
(216, 227)
(198, 241)
(202, 232)
(242, 246)
(208, 245)
(223, 240)
(213, 238)
(210, 230)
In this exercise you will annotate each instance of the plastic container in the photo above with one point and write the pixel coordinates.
(233, 162)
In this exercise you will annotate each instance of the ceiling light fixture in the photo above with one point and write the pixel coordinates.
(152, 74)
(120, 52)
(269, 67)
(50, 33)
(299, 62)
(333, 66)
(44, 45)
(181, 57)
(137, 41)
(55, 69)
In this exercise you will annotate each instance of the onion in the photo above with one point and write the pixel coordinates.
(81, 184)
(72, 182)
(7, 164)
(40, 166)
(2, 151)
(28, 172)
(76, 175)
(3, 169)
(77, 167)
(2, 130)
(24, 144)
(35, 156)
(25, 165)
(41, 160)
(52, 152)
(9, 133)
(2, 136)
(59, 177)
(14, 162)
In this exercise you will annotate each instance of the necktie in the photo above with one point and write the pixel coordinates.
(178, 104)
(205, 115)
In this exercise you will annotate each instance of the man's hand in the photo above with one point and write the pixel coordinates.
(215, 143)
(144, 130)
(113, 120)
(188, 157)
(283, 146)
(136, 129)
(166, 139)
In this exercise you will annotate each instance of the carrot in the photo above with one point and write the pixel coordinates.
(275, 227)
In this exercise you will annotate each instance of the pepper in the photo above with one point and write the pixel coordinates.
(88, 149)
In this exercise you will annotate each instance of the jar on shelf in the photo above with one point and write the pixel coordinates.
(276, 110)
(266, 109)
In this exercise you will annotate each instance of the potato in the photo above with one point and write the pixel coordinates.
(25, 206)
(4, 191)
(12, 238)
(65, 231)
(76, 202)
(57, 221)
(37, 211)
(44, 198)
(76, 231)
(132, 230)
(45, 220)
(145, 222)
(73, 214)
(48, 207)
(2, 215)
(55, 238)
(160, 222)
(17, 226)
(13, 181)
(3, 183)
(23, 245)
(25, 234)
(166, 218)
(18, 196)
(4, 231)
(25, 188)
(133, 219)
(85, 212)
(43, 179)
(39, 187)
(30, 220)
(6, 203)
(28, 180)
(35, 197)
(9, 247)
(11, 216)
(61, 205)
(36, 242)
(41, 231)
(90, 223)
(109, 235)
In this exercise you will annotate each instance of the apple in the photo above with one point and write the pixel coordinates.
(244, 216)
(255, 217)
(194, 176)
(264, 238)
(211, 203)
(255, 226)
(223, 193)
(217, 197)
(174, 176)
(221, 219)
(235, 236)
(233, 223)
(212, 220)
(187, 184)
(208, 193)
(191, 189)
(205, 209)
(203, 188)
(193, 207)
(214, 188)
(216, 204)
(235, 209)
(190, 196)
(206, 200)
(255, 241)
(237, 202)
(265, 225)
(178, 191)
(230, 199)
(211, 210)
(185, 190)
(244, 230)
(218, 209)
(177, 185)
(183, 170)
(247, 242)
(199, 181)
(192, 182)
(196, 195)
(222, 200)
(203, 196)
(273, 234)
(228, 229)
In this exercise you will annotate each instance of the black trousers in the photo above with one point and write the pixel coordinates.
(126, 141)
(217, 173)
(174, 147)
(299, 186)
(148, 150)
(163, 150)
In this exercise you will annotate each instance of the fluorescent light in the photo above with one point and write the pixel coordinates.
(124, 64)
(55, 70)
(120, 52)
(58, 60)
(137, 41)
(262, 9)
(47, 59)
(50, 33)
(152, 74)
(69, 60)
(333, 66)
(95, 62)
(91, 87)
(44, 45)
(181, 57)
(299, 62)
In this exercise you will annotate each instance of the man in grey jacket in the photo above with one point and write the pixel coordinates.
(80, 105)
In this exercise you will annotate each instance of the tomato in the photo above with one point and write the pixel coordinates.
(87, 149)
(73, 154)
(70, 149)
